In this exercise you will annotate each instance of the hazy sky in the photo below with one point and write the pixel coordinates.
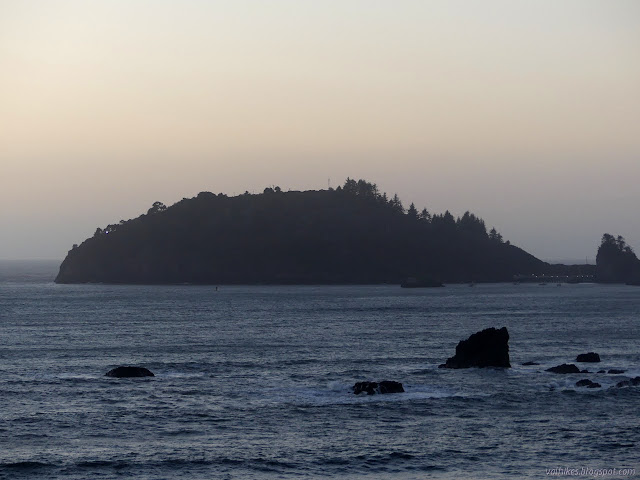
(527, 113)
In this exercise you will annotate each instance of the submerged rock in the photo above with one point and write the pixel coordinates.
(591, 357)
(615, 371)
(585, 382)
(487, 348)
(565, 368)
(529, 364)
(371, 388)
(125, 372)
(633, 382)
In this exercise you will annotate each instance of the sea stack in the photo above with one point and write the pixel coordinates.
(487, 348)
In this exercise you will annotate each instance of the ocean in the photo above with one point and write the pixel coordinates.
(254, 382)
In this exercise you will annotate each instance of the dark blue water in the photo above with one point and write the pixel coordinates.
(253, 382)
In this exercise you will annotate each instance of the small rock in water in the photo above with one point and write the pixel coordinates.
(564, 368)
(602, 371)
(487, 348)
(371, 388)
(528, 364)
(125, 372)
(634, 382)
(615, 371)
(585, 382)
(591, 357)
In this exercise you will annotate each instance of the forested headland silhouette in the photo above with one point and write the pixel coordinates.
(616, 262)
(351, 234)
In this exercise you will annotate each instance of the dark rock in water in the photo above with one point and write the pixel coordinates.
(634, 382)
(564, 368)
(602, 371)
(615, 371)
(124, 372)
(584, 371)
(529, 364)
(371, 388)
(488, 348)
(590, 357)
(585, 382)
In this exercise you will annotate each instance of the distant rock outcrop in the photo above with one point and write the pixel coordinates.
(487, 348)
(591, 357)
(125, 372)
(616, 262)
(585, 382)
(615, 371)
(530, 364)
(564, 368)
(371, 388)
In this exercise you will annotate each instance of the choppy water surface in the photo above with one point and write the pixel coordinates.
(253, 382)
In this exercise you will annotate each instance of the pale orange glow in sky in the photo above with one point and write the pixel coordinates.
(526, 113)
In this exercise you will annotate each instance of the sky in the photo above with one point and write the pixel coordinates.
(526, 113)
